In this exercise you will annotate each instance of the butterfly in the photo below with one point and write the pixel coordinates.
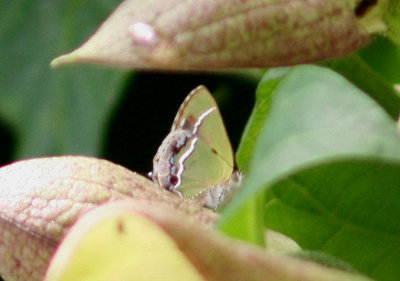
(196, 159)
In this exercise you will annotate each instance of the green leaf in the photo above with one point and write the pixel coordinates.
(383, 56)
(250, 218)
(52, 112)
(351, 215)
(260, 112)
(328, 158)
(392, 19)
(375, 76)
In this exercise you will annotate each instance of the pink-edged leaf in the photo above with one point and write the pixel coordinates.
(214, 34)
(41, 198)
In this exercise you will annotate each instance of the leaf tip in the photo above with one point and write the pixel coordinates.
(63, 60)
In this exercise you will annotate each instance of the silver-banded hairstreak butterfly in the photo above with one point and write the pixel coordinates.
(196, 159)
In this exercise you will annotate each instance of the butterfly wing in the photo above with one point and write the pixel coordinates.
(201, 168)
(207, 158)
(211, 130)
(196, 154)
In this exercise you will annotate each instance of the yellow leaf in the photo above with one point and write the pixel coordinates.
(120, 247)
(124, 240)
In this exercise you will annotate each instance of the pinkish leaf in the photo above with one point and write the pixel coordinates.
(41, 198)
(214, 34)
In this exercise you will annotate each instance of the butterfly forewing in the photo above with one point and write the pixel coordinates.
(212, 130)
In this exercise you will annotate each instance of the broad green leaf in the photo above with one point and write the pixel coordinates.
(384, 57)
(328, 157)
(258, 117)
(351, 216)
(251, 220)
(250, 216)
(375, 76)
(52, 112)
(215, 34)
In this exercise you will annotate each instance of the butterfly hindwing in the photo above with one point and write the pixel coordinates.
(203, 169)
